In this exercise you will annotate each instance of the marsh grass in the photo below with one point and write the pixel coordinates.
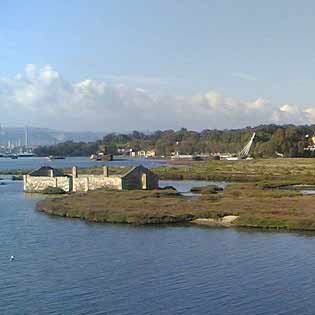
(245, 170)
(257, 196)
(255, 206)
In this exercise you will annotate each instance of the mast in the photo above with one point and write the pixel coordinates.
(26, 137)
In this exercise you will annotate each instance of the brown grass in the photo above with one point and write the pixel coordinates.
(255, 206)
(246, 170)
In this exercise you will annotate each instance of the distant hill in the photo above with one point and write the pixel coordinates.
(270, 140)
(45, 136)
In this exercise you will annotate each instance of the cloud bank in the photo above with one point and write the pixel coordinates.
(40, 96)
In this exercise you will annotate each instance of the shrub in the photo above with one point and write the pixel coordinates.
(209, 189)
(53, 191)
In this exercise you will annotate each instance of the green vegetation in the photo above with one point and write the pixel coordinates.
(15, 172)
(209, 189)
(256, 195)
(254, 206)
(288, 140)
(292, 170)
(91, 170)
(68, 148)
(53, 191)
(141, 207)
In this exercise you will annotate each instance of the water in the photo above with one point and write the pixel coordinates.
(308, 192)
(33, 163)
(184, 186)
(68, 266)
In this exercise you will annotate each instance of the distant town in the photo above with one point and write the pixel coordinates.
(21, 141)
(246, 143)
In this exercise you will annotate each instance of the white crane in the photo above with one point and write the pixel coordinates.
(243, 154)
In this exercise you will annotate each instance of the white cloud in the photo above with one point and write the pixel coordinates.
(289, 109)
(42, 97)
(289, 113)
(310, 113)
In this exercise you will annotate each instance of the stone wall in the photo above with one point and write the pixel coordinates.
(68, 184)
(92, 182)
(137, 178)
(140, 178)
(38, 184)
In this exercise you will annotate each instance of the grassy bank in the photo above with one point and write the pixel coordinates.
(291, 169)
(18, 172)
(141, 207)
(254, 204)
(255, 197)
(89, 170)
(242, 171)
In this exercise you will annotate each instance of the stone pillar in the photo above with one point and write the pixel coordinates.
(25, 182)
(74, 172)
(144, 184)
(51, 173)
(105, 171)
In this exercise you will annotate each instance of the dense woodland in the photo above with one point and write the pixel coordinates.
(288, 140)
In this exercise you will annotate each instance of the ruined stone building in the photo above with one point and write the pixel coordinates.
(138, 177)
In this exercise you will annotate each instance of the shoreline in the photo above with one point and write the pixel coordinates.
(239, 205)
(293, 169)
(198, 222)
(226, 221)
(259, 194)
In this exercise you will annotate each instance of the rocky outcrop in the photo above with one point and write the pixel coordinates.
(225, 221)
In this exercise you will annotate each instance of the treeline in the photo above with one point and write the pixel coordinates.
(288, 140)
(69, 148)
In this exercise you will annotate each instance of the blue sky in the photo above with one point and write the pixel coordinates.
(172, 52)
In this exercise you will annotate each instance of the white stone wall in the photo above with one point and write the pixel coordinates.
(38, 184)
(92, 182)
(64, 183)
(133, 180)
(80, 184)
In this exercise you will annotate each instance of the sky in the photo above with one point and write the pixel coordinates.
(121, 65)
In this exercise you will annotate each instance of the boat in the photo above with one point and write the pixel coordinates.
(104, 157)
(101, 157)
(26, 154)
(232, 158)
(56, 157)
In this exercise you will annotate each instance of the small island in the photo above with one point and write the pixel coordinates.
(259, 205)
(262, 193)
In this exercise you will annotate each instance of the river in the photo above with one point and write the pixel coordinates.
(68, 266)
(36, 162)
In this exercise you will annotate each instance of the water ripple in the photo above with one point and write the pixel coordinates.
(72, 267)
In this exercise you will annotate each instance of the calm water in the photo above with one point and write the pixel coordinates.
(32, 163)
(184, 186)
(67, 266)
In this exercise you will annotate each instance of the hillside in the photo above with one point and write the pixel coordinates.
(44, 136)
(288, 140)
